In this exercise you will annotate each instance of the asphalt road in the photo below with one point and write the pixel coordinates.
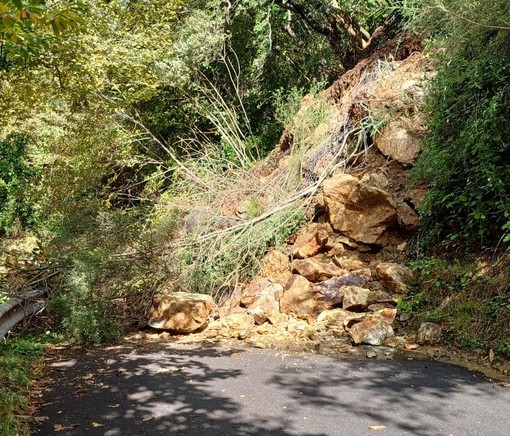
(193, 390)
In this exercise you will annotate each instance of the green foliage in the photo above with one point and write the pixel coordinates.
(29, 27)
(15, 178)
(17, 374)
(470, 299)
(466, 160)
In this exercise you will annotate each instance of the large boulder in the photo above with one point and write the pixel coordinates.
(299, 298)
(394, 276)
(395, 141)
(311, 240)
(180, 312)
(371, 331)
(314, 270)
(358, 210)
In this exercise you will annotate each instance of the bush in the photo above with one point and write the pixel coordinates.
(15, 175)
(466, 160)
(471, 299)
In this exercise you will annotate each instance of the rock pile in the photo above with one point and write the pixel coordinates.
(334, 281)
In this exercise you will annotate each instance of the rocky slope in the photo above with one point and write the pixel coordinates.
(340, 277)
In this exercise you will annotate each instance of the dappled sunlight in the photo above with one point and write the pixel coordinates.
(206, 390)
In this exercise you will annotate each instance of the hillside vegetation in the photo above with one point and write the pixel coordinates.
(140, 141)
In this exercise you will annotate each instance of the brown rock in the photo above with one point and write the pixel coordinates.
(253, 291)
(380, 297)
(276, 267)
(299, 298)
(230, 303)
(266, 305)
(416, 196)
(394, 276)
(180, 312)
(429, 333)
(357, 210)
(314, 270)
(395, 141)
(355, 298)
(346, 242)
(372, 331)
(311, 240)
(348, 263)
(377, 180)
(407, 218)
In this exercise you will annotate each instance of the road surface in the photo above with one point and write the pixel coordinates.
(212, 390)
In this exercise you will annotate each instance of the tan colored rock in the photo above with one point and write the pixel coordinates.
(357, 210)
(254, 290)
(338, 318)
(394, 276)
(388, 315)
(266, 305)
(371, 331)
(355, 298)
(180, 312)
(279, 320)
(276, 267)
(395, 141)
(349, 263)
(314, 270)
(299, 328)
(299, 298)
(311, 240)
(330, 292)
(377, 180)
(429, 333)
(239, 322)
(407, 218)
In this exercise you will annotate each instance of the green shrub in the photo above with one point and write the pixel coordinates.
(17, 373)
(466, 160)
(470, 299)
(15, 175)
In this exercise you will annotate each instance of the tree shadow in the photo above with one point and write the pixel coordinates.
(211, 390)
(154, 390)
(418, 397)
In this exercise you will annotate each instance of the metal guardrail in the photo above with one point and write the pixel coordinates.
(18, 309)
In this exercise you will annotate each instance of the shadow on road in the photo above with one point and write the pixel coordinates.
(159, 391)
(201, 390)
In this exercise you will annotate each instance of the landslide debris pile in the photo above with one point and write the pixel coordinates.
(340, 277)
